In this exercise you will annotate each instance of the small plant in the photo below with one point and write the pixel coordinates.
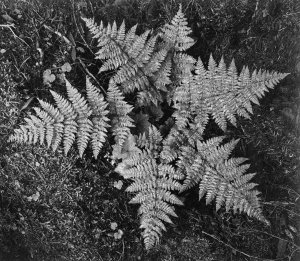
(153, 76)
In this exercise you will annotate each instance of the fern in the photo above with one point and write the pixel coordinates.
(219, 177)
(119, 111)
(220, 92)
(207, 164)
(133, 57)
(177, 32)
(152, 70)
(153, 182)
(76, 118)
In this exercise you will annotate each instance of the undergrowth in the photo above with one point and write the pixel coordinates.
(67, 201)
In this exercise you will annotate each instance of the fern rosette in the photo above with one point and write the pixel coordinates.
(156, 74)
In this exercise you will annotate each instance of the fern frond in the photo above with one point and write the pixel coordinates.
(77, 116)
(99, 117)
(234, 191)
(220, 92)
(71, 127)
(151, 141)
(152, 183)
(29, 133)
(180, 146)
(171, 145)
(220, 178)
(178, 138)
(184, 64)
(132, 57)
(119, 110)
(191, 166)
(161, 79)
(83, 111)
(176, 33)
(182, 103)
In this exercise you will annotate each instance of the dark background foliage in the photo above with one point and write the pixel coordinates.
(64, 208)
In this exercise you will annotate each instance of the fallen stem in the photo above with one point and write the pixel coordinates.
(91, 75)
(9, 26)
(81, 62)
(58, 34)
(77, 27)
(239, 251)
(41, 176)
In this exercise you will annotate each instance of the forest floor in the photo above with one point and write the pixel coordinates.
(54, 207)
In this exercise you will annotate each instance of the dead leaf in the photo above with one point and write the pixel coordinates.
(48, 77)
(34, 197)
(66, 67)
(8, 18)
(26, 103)
(71, 38)
(119, 234)
(293, 229)
(80, 49)
(73, 53)
(113, 225)
(118, 184)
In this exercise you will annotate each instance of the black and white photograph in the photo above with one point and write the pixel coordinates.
(149, 130)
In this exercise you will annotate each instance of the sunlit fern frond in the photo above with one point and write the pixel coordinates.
(119, 111)
(176, 33)
(75, 118)
(220, 177)
(220, 92)
(153, 183)
(99, 116)
(132, 57)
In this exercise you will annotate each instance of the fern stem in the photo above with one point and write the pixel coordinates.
(91, 75)
(77, 27)
(14, 34)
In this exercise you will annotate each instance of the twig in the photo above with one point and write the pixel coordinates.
(9, 26)
(256, 9)
(92, 8)
(42, 177)
(271, 235)
(91, 75)
(81, 36)
(123, 247)
(239, 251)
(81, 62)
(290, 257)
(282, 206)
(58, 33)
